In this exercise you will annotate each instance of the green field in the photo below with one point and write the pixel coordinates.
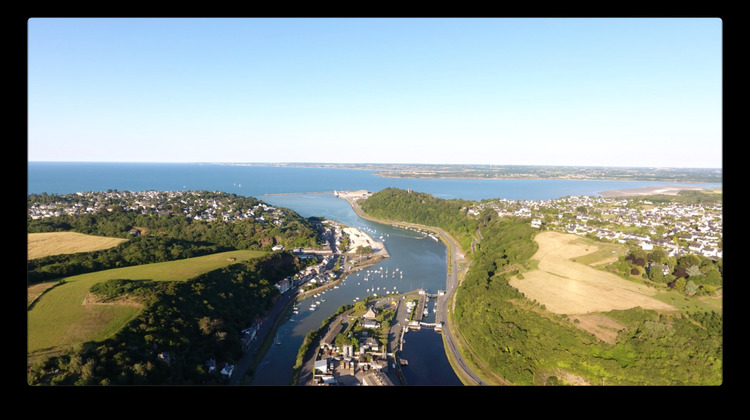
(601, 252)
(60, 317)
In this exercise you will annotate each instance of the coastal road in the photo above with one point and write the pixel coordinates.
(456, 255)
(266, 328)
(443, 307)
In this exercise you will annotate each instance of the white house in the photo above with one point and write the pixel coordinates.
(227, 370)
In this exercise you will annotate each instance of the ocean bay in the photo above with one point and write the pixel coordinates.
(256, 181)
(422, 261)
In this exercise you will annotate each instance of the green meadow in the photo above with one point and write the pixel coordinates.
(61, 316)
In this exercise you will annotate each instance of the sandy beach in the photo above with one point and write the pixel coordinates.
(663, 190)
(359, 238)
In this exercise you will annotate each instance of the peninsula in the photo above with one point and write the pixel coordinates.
(465, 171)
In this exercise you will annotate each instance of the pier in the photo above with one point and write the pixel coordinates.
(417, 322)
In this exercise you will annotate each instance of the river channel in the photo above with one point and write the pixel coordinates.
(416, 262)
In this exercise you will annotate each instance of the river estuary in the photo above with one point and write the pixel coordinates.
(421, 260)
(416, 262)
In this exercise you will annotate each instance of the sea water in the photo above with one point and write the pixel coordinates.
(256, 181)
(420, 261)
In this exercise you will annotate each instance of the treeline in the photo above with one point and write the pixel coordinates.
(690, 274)
(184, 326)
(687, 197)
(136, 251)
(425, 209)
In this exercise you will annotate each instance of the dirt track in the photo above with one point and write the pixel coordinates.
(567, 287)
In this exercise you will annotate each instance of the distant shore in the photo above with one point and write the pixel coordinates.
(656, 190)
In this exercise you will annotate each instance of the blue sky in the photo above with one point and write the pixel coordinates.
(504, 91)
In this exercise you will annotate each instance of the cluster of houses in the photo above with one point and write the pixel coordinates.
(195, 205)
(344, 366)
(315, 275)
(677, 228)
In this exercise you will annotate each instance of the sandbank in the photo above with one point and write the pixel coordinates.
(656, 190)
(359, 238)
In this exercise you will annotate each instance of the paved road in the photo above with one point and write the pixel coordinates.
(266, 328)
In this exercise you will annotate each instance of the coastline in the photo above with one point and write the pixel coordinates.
(656, 190)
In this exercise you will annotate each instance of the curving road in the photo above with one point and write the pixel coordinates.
(451, 285)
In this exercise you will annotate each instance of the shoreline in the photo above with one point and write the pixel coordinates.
(535, 178)
(655, 190)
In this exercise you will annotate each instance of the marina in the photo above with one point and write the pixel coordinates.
(413, 264)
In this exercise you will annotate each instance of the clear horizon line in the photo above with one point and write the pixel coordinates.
(384, 163)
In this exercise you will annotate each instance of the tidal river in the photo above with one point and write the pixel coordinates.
(416, 262)
(421, 260)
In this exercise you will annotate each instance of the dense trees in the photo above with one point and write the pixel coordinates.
(261, 231)
(183, 325)
(425, 209)
(677, 272)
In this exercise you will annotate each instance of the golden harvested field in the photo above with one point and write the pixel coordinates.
(55, 243)
(568, 287)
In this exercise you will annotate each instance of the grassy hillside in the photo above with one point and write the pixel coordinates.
(61, 317)
(182, 325)
(527, 338)
(520, 335)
